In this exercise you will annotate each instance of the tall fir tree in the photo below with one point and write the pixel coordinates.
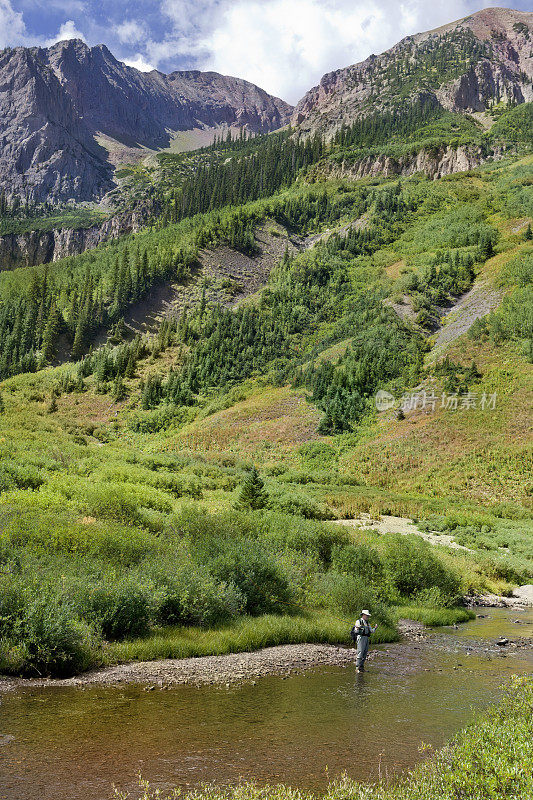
(253, 494)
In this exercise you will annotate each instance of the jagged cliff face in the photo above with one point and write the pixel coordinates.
(465, 66)
(40, 247)
(46, 151)
(435, 163)
(54, 101)
(140, 108)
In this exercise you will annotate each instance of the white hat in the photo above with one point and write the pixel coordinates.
(366, 612)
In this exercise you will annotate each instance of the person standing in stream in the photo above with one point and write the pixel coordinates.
(361, 633)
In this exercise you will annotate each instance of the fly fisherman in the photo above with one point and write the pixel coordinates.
(361, 633)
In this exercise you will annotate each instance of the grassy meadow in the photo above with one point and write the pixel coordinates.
(123, 533)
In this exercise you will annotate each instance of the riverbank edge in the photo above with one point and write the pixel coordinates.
(224, 669)
(245, 663)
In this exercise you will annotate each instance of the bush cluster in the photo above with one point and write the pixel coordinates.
(68, 589)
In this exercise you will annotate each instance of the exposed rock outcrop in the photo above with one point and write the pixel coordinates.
(54, 102)
(141, 108)
(465, 67)
(40, 247)
(46, 150)
(434, 162)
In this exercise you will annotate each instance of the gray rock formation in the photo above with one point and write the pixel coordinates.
(54, 101)
(139, 108)
(434, 162)
(40, 247)
(46, 151)
(489, 60)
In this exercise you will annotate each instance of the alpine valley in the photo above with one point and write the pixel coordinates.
(264, 366)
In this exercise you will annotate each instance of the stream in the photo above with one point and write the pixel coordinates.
(72, 743)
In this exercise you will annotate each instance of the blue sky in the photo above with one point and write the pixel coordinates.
(285, 46)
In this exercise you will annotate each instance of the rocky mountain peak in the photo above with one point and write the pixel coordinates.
(468, 65)
(55, 101)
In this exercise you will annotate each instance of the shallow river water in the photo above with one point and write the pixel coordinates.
(74, 743)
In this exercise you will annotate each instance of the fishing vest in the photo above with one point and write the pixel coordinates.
(362, 628)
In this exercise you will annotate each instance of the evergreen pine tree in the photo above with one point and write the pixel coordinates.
(253, 493)
(486, 248)
(119, 390)
(50, 333)
(129, 372)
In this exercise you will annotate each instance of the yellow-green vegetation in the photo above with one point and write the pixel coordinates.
(124, 528)
(491, 759)
(40, 219)
(246, 634)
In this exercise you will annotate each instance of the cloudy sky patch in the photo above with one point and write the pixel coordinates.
(284, 46)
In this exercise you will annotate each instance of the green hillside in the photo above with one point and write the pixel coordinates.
(125, 531)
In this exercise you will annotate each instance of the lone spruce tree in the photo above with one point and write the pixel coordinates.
(253, 493)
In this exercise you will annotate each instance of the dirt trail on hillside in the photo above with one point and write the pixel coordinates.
(402, 525)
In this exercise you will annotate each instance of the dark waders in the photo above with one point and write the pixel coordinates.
(361, 633)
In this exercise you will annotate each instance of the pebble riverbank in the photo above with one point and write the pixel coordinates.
(234, 668)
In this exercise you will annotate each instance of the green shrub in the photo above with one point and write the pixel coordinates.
(282, 532)
(360, 560)
(300, 505)
(345, 594)
(191, 596)
(12, 604)
(20, 476)
(412, 567)
(46, 638)
(118, 608)
(45, 532)
(245, 565)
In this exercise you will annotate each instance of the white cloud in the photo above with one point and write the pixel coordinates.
(13, 30)
(130, 32)
(12, 27)
(285, 47)
(67, 30)
(139, 63)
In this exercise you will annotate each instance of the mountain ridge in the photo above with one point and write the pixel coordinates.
(54, 102)
(501, 71)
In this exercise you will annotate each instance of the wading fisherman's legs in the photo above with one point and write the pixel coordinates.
(362, 651)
